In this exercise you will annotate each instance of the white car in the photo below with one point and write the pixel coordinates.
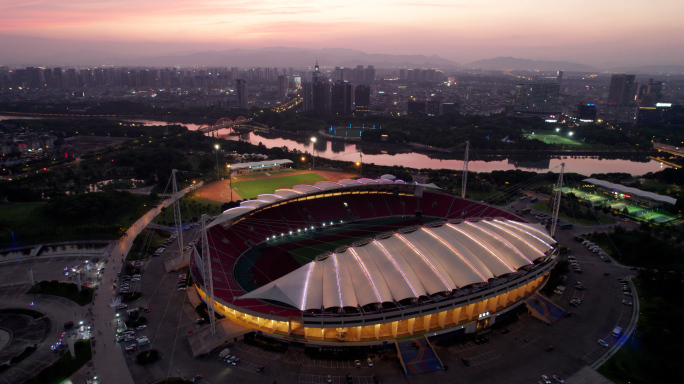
(603, 343)
(546, 379)
(370, 362)
(625, 302)
(558, 379)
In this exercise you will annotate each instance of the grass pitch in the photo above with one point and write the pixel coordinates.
(252, 188)
(553, 139)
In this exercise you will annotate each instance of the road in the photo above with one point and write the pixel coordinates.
(109, 362)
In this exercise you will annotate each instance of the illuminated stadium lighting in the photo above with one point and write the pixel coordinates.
(398, 268)
(456, 252)
(377, 294)
(426, 261)
(299, 230)
(337, 276)
(324, 224)
(504, 241)
(306, 285)
(282, 235)
(481, 243)
(331, 223)
(312, 228)
(520, 238)
(529, 233)
(290, 232)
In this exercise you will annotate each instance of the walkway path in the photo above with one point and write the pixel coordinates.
(108, 359)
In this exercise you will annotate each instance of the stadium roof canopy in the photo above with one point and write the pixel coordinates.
(261, 164)
(294, 192)
(633, 191)
(424, 262)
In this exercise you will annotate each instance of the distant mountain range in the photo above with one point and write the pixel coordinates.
(297, 57)
(512, 63)
(45, 52)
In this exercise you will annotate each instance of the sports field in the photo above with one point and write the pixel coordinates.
(553, 139)
(252, 188)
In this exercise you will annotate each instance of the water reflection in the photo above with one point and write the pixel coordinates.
(480, 162)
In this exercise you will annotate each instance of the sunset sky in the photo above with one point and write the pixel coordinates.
(595, 32)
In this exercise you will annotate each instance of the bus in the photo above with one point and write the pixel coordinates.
(616, 331)
(566, 226)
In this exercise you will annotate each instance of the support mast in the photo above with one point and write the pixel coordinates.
(557, 200)
(465, 170)
(208, 279)
(177, 212)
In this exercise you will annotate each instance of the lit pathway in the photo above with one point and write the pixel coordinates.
(108, 359)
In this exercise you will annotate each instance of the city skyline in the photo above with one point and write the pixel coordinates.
(603, 34)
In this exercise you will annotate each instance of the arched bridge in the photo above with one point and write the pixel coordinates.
(223, 123)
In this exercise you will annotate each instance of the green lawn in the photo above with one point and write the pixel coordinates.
(26, 223)
(252, 188)
(553, 139)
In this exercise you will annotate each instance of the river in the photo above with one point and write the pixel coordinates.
(346, 151)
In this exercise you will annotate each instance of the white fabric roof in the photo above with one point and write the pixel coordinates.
(426, 261)
(230, 214)
(633, 191)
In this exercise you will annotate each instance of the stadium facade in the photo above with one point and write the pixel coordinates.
(463, 266)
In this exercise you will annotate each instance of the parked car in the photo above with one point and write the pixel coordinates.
(357, 363)
(546, 379)
(603, 343)
(370, 362)
(558, 379)
(196, 378)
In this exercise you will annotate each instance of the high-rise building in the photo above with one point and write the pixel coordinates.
(536, 98)
(362, 99)
(622, 89)
(242, 96)
(316, 74)
(586, 112)
(559, 78)
(282, 86)
(338, 75)
(402, 74)
(369, 75)
(307, 96)
(321, 96)
(341, 98)
(649, 94)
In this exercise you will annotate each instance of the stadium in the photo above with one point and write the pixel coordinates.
(364, 262)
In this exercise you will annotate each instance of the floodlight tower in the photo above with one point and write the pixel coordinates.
(177, 211)
(208, 279)
(557, 199)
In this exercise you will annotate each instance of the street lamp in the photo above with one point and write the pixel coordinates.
(313, 153)
(217, 168)
(230, 180)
